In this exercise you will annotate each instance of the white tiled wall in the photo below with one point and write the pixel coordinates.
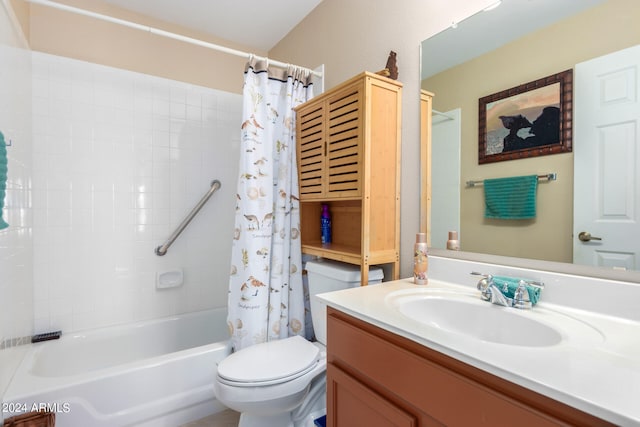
(119, 158)
(16, 252)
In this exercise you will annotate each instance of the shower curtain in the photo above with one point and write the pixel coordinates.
(266, 297)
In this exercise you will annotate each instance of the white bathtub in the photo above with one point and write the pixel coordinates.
(152, 373)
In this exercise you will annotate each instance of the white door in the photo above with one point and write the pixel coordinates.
(606, 143)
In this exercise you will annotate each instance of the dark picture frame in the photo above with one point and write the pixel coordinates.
(529, 120)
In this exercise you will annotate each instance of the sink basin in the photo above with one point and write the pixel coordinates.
(480, 319)
(464, 313)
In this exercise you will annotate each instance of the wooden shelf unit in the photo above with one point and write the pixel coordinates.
(426, 110)
(348, 147)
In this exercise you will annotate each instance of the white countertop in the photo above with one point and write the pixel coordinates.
(596, 369)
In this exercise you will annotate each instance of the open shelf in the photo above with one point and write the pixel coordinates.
(338, 252)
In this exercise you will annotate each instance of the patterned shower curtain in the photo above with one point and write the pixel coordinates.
(266, 296)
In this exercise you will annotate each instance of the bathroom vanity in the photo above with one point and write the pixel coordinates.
(376, 375)
(404, 355)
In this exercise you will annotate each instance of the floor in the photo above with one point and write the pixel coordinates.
(226, 418)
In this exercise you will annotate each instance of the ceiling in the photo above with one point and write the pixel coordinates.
(256, 24)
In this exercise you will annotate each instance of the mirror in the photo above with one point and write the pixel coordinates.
(518, 42)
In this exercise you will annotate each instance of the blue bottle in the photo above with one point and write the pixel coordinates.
(325, 224)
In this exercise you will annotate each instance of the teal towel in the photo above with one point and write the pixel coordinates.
(3, 178)
(508, 286)
(511, 198)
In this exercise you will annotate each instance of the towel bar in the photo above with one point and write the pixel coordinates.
(546, 177)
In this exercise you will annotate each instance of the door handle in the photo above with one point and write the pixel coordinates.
(585, 236)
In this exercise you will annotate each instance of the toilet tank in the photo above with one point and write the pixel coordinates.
(327, 276)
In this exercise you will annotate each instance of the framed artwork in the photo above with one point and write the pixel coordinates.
(533, 119)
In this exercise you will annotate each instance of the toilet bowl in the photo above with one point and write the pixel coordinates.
(267, 382)
(283, 383)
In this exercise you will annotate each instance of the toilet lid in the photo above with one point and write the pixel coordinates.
(270, 362)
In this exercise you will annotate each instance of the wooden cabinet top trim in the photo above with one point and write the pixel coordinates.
(366, 74)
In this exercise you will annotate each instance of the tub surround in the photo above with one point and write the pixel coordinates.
(598, 372)
(70, 122)
(16, 241)
(169, 139)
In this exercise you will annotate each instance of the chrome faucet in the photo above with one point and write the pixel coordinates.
(521, 296)
(489, 291)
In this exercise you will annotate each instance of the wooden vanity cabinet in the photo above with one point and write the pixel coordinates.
(348, 148)
(377, 378)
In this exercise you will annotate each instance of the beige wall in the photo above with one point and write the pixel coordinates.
(10, 27)
(350, 36)
(606, 28)
(20, 10)
(87, 39)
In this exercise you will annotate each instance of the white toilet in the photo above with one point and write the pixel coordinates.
(283, 383)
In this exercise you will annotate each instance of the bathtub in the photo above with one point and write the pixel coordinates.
(151, 373)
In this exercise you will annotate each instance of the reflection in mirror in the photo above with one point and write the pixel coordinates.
(549, 37)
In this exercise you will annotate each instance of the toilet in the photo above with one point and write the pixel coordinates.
(283, 383)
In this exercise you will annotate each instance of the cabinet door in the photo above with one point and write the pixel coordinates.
(330, 137)
(350, 403)
(345, 138)
(310, 128)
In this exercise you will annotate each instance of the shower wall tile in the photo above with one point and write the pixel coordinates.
(119, 158)
(16, 242)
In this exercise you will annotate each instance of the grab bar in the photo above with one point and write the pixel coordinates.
(162, 249)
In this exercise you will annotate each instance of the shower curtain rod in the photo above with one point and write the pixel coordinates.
(163, 33)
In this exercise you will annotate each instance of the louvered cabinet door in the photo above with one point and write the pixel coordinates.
(344, 137)
(330, 135)
(311, 151)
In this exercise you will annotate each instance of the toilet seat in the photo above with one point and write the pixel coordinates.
(269, 363)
